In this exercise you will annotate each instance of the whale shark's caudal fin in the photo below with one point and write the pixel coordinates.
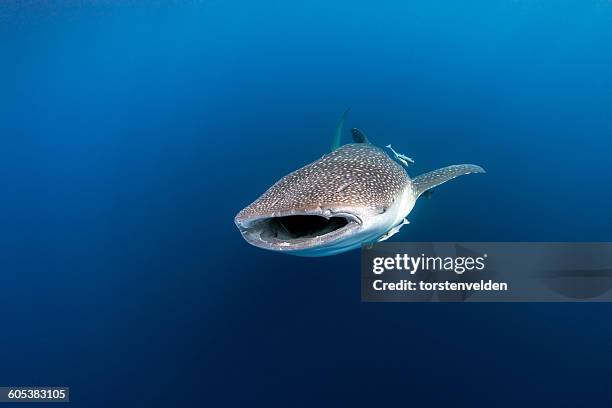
(336, 141)
(434, 178)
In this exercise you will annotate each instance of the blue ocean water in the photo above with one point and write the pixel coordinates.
(132, 133)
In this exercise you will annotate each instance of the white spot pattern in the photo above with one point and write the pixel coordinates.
(352, 175)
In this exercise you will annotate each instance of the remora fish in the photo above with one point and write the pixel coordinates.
(355, 194)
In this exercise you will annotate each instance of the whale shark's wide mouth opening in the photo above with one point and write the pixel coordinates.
(300, 226)
(297, 231)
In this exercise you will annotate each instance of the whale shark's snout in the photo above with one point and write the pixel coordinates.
(308, 232)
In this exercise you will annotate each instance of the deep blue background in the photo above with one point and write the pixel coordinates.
(131, 133)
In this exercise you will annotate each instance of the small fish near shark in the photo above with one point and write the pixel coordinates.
(354, 195)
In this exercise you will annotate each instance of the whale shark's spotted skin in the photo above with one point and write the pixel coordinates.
(360, 175)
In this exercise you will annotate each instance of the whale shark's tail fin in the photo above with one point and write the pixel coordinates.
(434, 178)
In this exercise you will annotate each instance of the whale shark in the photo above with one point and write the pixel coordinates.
(354, 195)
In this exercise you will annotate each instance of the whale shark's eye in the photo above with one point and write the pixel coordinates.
(301, 226)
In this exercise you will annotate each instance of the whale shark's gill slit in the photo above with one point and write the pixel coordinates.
(301, 226)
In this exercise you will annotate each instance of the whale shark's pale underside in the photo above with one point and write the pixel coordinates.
(355, 194)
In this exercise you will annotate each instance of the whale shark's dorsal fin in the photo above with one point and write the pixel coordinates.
(336, 141)
(427, 181)
(359, 136)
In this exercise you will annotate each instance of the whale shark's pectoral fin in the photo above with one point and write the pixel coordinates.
(336, 140)
(393, 230)
(427, 181)
(359, 136)
(402, 158)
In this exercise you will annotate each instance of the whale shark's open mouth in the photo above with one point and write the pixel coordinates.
(300, 226)
(296, 231)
